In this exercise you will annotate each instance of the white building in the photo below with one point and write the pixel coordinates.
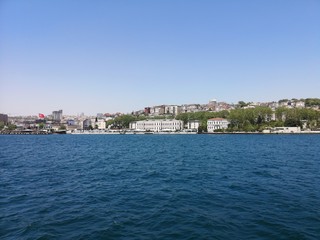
(299, 104)
(98, 123)
(217, 123)
(193, 124)
(283, 130)
(157, 125)
(172, 109)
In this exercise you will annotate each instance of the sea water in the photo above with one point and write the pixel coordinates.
(160, 187)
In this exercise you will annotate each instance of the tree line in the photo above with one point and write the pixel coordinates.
(258, 118)
(248, 120)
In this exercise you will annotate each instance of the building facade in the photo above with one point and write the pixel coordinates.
(217, 123)
(157, 110)
(172, 110)
(188, 108)
(57, 115)
(4, 118)
(157, 125)
(193, 124)
(86, 124)
(98, 123)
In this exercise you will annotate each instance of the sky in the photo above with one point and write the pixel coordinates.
(118, 56)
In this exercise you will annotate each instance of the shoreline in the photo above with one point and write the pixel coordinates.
(152, 133)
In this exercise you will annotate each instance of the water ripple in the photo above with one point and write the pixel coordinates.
(160, 187)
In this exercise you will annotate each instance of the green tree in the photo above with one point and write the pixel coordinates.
(313, 125)
(292, 123)
(11, 127)
(202, 129)
(62, 127)
(1, 125)
(242, 104)
(109, 122)
(311, 102)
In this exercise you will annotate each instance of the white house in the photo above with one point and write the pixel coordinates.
(98, 123)
(193, 124)
(217, 123)
(283, 130)
(157, 125)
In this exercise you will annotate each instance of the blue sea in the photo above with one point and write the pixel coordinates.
(160, 187)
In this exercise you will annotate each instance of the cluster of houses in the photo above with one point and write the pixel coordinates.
(57, 121)
(168, 125)
(174, 110)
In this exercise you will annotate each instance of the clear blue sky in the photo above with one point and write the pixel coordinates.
(108, 56)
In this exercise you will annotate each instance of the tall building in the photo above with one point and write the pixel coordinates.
(57, 115)
(4, 118)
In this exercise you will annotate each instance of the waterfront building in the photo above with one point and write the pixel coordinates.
(86, 124)
(98, 123)
(283, 130)
(157, 125)
(217, 123)
(193, 124)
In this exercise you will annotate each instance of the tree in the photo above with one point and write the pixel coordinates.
(62, 127)
(202, 129)
(311, 102)
(11, 127)
(1, 125)
(242, 104)
(109, 122)
(313, 125)
(292, 123)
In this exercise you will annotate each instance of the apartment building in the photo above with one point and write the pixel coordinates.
(57, 115)
(157, 110)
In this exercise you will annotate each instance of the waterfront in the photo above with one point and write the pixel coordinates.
(160, 187)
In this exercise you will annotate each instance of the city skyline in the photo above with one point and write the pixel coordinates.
(124, 56)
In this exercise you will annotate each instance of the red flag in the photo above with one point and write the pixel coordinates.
(41, 115)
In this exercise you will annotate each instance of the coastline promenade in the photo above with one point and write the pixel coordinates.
(125, 132)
